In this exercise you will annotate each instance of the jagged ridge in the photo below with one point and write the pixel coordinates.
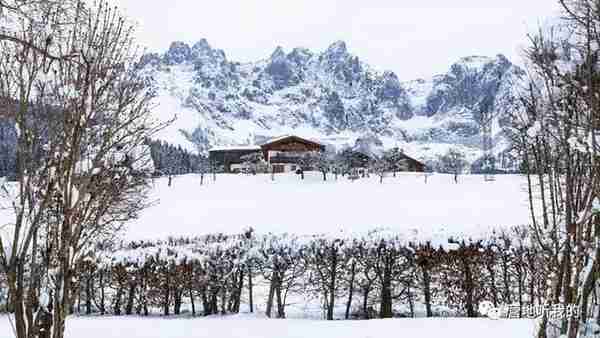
(332, 96)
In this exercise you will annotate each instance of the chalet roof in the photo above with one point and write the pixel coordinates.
(285, 137)
(275, 139)
(412, 158)
(235, 147)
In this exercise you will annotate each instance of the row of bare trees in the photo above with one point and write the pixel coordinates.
(378, 275)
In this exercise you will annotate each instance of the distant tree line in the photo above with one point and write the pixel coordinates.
(168, 159)
(376, 275)
(174, 160)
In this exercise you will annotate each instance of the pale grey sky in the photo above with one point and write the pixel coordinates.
(416, 38)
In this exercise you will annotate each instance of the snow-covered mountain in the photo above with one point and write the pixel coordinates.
(331, 96)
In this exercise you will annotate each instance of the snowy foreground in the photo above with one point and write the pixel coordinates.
(404, 204)
(251, 327)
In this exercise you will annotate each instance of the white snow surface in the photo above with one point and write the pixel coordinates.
(254, 327)
(403, 204)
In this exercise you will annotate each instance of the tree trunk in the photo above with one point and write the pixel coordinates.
(88, 294)
(79, 297)
(130, 299)
(468, 280)
(332, 286)
(506, 280)
(178, 294)
(250, 291)
(493, 290)
(411, 304)
(271, 297)
(166, 295)
(386, 294)
(191, 293)
(237, 302)
(62, 298)
(280, 304)
(118, 296)
(365, 305)
(205, 302)
(427, 289)
(223, 301)
(350, 290)
(102, 294)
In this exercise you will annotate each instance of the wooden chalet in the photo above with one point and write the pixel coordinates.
(282, 153)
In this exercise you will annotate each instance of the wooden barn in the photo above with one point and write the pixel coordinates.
(282, 153)
(413, 165)
(230, 158)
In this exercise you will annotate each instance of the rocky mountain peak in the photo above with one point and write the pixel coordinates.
(202, 52)
(178, 53)
(391, 88)
(300, 56)
(337, 49)
(278, 53)
(477, 63)
(201, 49)
(202, 44)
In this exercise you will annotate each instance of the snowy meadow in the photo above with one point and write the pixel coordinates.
(405, 204)
(190, 255)
(252, 327)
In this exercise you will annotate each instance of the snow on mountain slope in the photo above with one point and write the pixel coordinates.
(172, 90)
(332, 96)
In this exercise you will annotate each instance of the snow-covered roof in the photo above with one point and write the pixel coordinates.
(258, 147)
(244, 147)
(279, 138)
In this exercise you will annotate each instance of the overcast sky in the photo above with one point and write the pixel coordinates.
(417, 38)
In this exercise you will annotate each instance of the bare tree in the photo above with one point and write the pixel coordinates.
(322, 161)
(254, 163)
(453, 162)
(396, 160)
(81, 111)
(380, 166)
(557, 127)
(326, 257)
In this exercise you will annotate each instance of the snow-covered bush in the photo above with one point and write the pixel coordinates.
(377, 274)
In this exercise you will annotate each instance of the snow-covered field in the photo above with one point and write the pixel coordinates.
(252, 327)
(404, 204)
